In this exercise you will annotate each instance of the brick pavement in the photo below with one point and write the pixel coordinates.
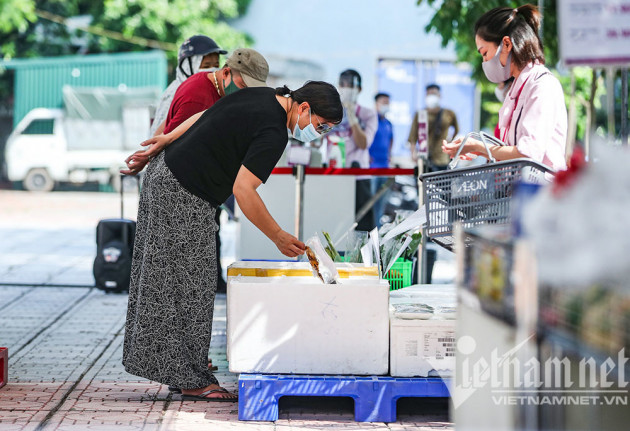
(66, 374)
(65, 343)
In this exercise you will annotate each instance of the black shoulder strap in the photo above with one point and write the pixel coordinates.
(437, 129)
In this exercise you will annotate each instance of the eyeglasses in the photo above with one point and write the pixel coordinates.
(322, 128)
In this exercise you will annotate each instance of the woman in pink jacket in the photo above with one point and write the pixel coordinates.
(533, 118)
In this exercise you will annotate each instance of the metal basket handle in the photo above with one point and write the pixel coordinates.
(491, 138)
(482, 136)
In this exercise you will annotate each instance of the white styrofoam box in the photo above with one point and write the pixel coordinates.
(422, 348)
(291, 272)
(307, 327)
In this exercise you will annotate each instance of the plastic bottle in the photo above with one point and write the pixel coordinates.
(342, 149)
(334, 156)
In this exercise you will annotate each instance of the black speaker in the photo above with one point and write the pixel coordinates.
(114, 250)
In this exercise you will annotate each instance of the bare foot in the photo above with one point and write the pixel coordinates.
(220, 392)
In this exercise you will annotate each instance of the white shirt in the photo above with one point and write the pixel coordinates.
(368, 121)
(537, 125)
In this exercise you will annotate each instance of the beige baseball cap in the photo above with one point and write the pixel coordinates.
(251, 65)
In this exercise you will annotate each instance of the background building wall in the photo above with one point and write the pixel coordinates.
(334, 35)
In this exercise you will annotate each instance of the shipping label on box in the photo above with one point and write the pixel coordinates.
(419, 346)
(439, 344)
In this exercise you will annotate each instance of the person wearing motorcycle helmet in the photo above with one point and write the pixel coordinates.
(196, 53)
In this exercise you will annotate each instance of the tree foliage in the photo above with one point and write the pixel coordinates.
(25, 30)
(38, 28)
(168, 21)
(15, 14)
(454, 21)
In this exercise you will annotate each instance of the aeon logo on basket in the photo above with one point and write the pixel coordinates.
(473, 186)
(467, 186)
(517, 377)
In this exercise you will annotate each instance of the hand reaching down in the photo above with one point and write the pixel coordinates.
(288, 244)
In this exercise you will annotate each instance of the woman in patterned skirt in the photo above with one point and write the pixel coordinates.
(230, 148)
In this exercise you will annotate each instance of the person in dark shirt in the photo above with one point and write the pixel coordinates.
(442, 126)
(245, 67)
(230, 148)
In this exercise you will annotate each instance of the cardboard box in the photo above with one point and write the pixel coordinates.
(302, 326)
(422, 348)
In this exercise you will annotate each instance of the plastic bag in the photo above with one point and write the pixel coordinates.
(401, 238)
(446, 312)
(355, 240)
(392, 250)
(413, 311)
(403, 223)
(322, 265)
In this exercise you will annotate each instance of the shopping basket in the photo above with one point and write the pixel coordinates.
(475, 195)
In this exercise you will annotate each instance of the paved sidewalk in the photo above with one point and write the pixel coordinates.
(50, 238)
(65, 343)
(65, 370)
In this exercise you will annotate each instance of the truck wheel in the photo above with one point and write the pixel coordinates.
(38, 180)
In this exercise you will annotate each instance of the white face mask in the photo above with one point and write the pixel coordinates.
(348, 94)
(493, 69)
(308, 133)
(383, 109)
(432, 101)
(209, 69)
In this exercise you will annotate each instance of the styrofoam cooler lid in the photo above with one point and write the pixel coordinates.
(296, 269)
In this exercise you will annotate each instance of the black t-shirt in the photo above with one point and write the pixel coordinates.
(245, 128)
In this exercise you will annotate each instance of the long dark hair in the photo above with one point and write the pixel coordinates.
(321, 96)
(520, 25)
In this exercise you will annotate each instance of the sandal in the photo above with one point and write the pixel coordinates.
(204, 396)
(177, 390)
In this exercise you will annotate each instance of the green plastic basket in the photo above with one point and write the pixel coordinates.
(399, 275)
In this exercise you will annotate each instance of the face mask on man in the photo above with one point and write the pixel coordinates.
(231, 87)
(432, 101)
(348, 94)
(209, 69)
(308, 133)
(493, 69)
(383, 109)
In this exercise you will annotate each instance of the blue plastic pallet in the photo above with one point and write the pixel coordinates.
(374, 397)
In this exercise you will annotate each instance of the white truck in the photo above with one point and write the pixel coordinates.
(87, 141)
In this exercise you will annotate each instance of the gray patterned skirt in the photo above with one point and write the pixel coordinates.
(173, 284)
